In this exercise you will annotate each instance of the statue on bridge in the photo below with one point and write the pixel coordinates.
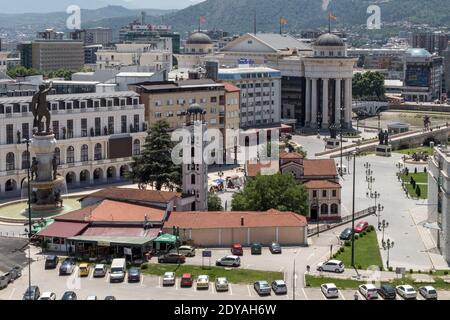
(383, 137)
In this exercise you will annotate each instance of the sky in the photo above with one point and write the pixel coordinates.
(21, 6)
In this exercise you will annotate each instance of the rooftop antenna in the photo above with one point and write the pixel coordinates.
(254, 22)
(143, 17)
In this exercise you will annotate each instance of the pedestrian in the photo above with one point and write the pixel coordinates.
(356, 295)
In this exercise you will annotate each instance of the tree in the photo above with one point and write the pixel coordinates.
(418, 191)
(154, 165)
(214, 202)
(369, 85)
(279, 191)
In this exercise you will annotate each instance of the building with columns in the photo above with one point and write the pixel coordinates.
(328, 84)
(97, 134)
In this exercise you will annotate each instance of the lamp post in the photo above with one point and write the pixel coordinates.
(381, 226)
(387, 245)
(355, 154)
(370, 180)
(27, 141)
(341, 127)
(315, 205)
(375, 195)
(379, 209)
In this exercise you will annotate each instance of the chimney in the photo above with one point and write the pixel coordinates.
(242, 221)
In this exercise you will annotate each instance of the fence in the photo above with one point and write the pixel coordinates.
(324, 227)
(13, 234)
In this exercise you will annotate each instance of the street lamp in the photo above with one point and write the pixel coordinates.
(379, 209)
(315, 205)
(355, 154)
(367, 165)
(375, 195)
(387, 245)
(27, 141)
(370, 180)
(381, 226)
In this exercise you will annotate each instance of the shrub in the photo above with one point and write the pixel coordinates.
(411, 271)
(359, 266)
(445, 272)
(361, 235)
(347, 243)
(418, 271)
(144, 266)
(341, 249)
(356, 236)
(431, 272)
(390, 268)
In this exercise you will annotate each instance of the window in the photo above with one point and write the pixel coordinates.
(192, 178)
(324, 209)
(25, 131)
(69, 129)
(10, 161)
(98, 152)
(57, 154)
(55, 125)
(324, 193)
(25, 160)
(213, 99)
(157, 103)
(314, 193)
(70, 157)
(9, 134)
(123, 124)
(136, 147)
(110, 125)
(84, 153)
(334, 193)
(136, 123)
(334, 208)
(98, 125)
(84, 127)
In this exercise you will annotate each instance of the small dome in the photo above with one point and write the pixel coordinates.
(195, 109)
(199, 38)
(417, 53)
(329, 40)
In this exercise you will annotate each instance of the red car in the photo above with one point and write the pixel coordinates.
(186, 280)
(361, 226)
(237, 250)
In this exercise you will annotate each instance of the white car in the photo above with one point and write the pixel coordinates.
(48, 296)
(222, 284)
(369, 291)
(169, 279)
(100, 270)
(331, 266)
(91, 298)
(428, 292)
(203, 282)
(329, 290)
(406, 291)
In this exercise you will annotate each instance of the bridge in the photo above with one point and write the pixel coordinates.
(438, 134)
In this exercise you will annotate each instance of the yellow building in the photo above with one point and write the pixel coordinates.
(57, 54)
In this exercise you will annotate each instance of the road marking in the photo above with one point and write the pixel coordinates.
(176, 284)
(159, 282)
(91, 275)
(281, 269)
(142, 280)
(310, 256)
(248, 288)
(107, 277)
(230, 290)
(342, 296)
(11, 294)
(214, 289)
(304, 292)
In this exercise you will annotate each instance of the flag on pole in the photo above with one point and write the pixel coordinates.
(202, 19)
(283, 21)
(332, 17)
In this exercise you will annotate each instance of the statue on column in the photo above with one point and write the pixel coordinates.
(55, 167)
(381, 137)
(333, 130)
(386, 138)
(34, 169)
(39, 108)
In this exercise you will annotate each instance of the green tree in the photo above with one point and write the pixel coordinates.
(154, 165)
(369, 85)
(279, 191)
(418, 191)
(21, 71)
(214, 202)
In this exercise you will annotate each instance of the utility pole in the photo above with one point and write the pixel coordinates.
(353, 207)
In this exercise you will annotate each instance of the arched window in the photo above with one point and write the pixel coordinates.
(70, 155)
(10, 161)
(334, 208)
(192, 152)
(136, 147)
(25, 160)
(84, 153)
(57, 154)
(192, 178)
(324, 209)
(97, 151)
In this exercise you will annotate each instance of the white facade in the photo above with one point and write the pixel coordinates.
(85, 126)
(3, 60)
(260, 93)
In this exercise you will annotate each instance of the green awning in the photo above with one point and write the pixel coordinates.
(166, 238)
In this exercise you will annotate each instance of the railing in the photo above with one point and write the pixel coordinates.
(13, 234)
(324, 227)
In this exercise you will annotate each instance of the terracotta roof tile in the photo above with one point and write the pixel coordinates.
(63, 229)
(319, 167)
(321, 184)
(290, 155)
(253, 169)
(230, 87)
(131, 194)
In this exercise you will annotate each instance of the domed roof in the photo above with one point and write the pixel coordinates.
(329, 40)
(417, 53)
(199, 38)
(195, 109)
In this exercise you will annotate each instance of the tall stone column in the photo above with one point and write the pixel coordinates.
(308, 102)
(348, 102)
(314, 103)
(338, 102)
(325, 118)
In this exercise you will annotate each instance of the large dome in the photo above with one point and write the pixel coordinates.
(329, 40)
(418, 53)
(199, 38)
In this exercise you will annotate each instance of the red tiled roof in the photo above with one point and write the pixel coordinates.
(134, 195)
(63, 229)
(220, 219)
(319, 167)
(230, 87)
(113, 211)
(321, 184)
(290, 155)
(121, 232)
(253, 169)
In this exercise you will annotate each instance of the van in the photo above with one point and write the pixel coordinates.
(118, 270)
(4, 280)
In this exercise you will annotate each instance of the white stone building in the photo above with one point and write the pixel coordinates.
(97, 134)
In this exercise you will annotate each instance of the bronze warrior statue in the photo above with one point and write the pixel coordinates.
(34, 168)
(40, 109)
(55, 167)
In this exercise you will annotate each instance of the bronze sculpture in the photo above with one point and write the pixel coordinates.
(40, 109)
(55, 167)
(34, 169)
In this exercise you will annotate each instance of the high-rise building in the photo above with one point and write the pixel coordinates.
(430, 41)
(446, 56)
(57, 54)
(92, 36)
(26, 54)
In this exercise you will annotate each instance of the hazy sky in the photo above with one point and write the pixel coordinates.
(21, 6)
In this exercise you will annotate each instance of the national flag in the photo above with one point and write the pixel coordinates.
(283, 21)
(202, 19)
(332, 17)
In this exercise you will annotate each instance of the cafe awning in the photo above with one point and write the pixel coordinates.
(166, 238)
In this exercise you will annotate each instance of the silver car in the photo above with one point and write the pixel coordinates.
(169, 279)
(221, 284)
(229, 261)
(99, 270)
(279, 287)
(262, 288)
(428, 292)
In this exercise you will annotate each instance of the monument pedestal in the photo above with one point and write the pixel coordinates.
(384, 150)
(332, 143)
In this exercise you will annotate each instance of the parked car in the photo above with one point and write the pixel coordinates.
(91, 297)
(237, 250)
(229, 261)
(15, 273)
(51, 262)
(329, 290)
(221, 284)
(186, 280)
(203, 282)
(134, 274)
(110, 298)
(387, 292)
(69, 295)
(256, 248)
(262, 288)
(67, 267)
(275, 248)
(48, 296)
(187, 251)
(169, 279)
(99, 270)
(331, 266)
(279, 287)
(172, 257)
(5, 279)
(118, 270)
(32, 293)
(428, 292)
(84, 269)
(346, 234)
(361, 226)
(369, 291)
(406, 291)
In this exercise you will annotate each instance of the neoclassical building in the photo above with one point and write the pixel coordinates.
(197, 46)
